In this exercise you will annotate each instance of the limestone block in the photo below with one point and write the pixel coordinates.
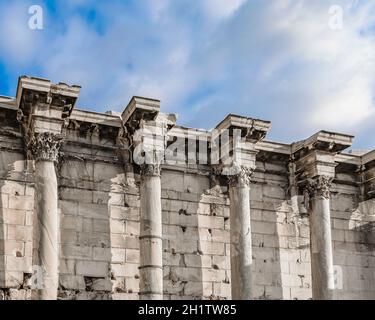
(170, 259)
(183, 247)
(271, 241)
(90, 210)
(195, 260)
(11, 216)
(206, 209)
(70, 282)
(174, 287)
(299, 268)
(340, 224)
(104, 171)
(125, 296)
(99, 225)
(181, 219)
(13, 188)
(132, 285)
(29, 216)
(274, 292)
(74, 194)
(21, 202)
(265, 279)
(13, 248)
(95, 239)
(220, 235)
(69, 237)
(23, 264)
(101, 254)
(212, 275)
(213, 248)
(338, 235)
(67, 266)
(71, 223)
(210, 222)
(195, 184)
(19, 233)
(117, 255)
(92, 268)
(4, 200)
(190, 197)
(221, 262)
(125, 270)
(273, 192)
(101, 284)
(28, 249)
(172, 181)
(222, 289)
(185, 274)
(118, 241)
(132, 256)
(12, 279)
(132, 228)
(68, 207)
(264, 227)
(121, 213)
(300, 294)
(198, 289)
(132, 242)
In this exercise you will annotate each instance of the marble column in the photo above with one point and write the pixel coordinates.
(317, 195)
(44, 148)
(151, 251)
(240, 234)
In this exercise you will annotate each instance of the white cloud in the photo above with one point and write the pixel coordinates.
(221, 8)
(275, 59)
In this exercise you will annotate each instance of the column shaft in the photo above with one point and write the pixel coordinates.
(47, 219)
(240, 236)
(151, 255)
(321, 249)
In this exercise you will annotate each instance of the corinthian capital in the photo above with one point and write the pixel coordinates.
(319, 186)
(151, 170)
(45, 146)
(242, 177)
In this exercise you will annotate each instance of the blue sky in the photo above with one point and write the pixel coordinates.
(277, 60)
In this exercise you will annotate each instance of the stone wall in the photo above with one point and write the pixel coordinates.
(99, 220)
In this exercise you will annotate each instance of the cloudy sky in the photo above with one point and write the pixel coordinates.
(294, 62)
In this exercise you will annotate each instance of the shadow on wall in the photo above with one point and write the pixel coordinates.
(281, 237)
(85, 189)
(353, 237)
(266, 267)
(182, 254)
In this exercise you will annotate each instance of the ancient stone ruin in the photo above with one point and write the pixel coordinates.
(136, 206)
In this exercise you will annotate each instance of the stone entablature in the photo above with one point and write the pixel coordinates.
(155, 203)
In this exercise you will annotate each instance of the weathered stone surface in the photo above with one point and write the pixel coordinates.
(116, 228)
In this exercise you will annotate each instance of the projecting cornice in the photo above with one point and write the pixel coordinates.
(368, 175)
(326, 141)
(39, 92)
(254, 129)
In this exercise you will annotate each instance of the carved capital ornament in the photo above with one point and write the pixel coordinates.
(319, 186)
(151, 170)
(45, 146)
(242, 177)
